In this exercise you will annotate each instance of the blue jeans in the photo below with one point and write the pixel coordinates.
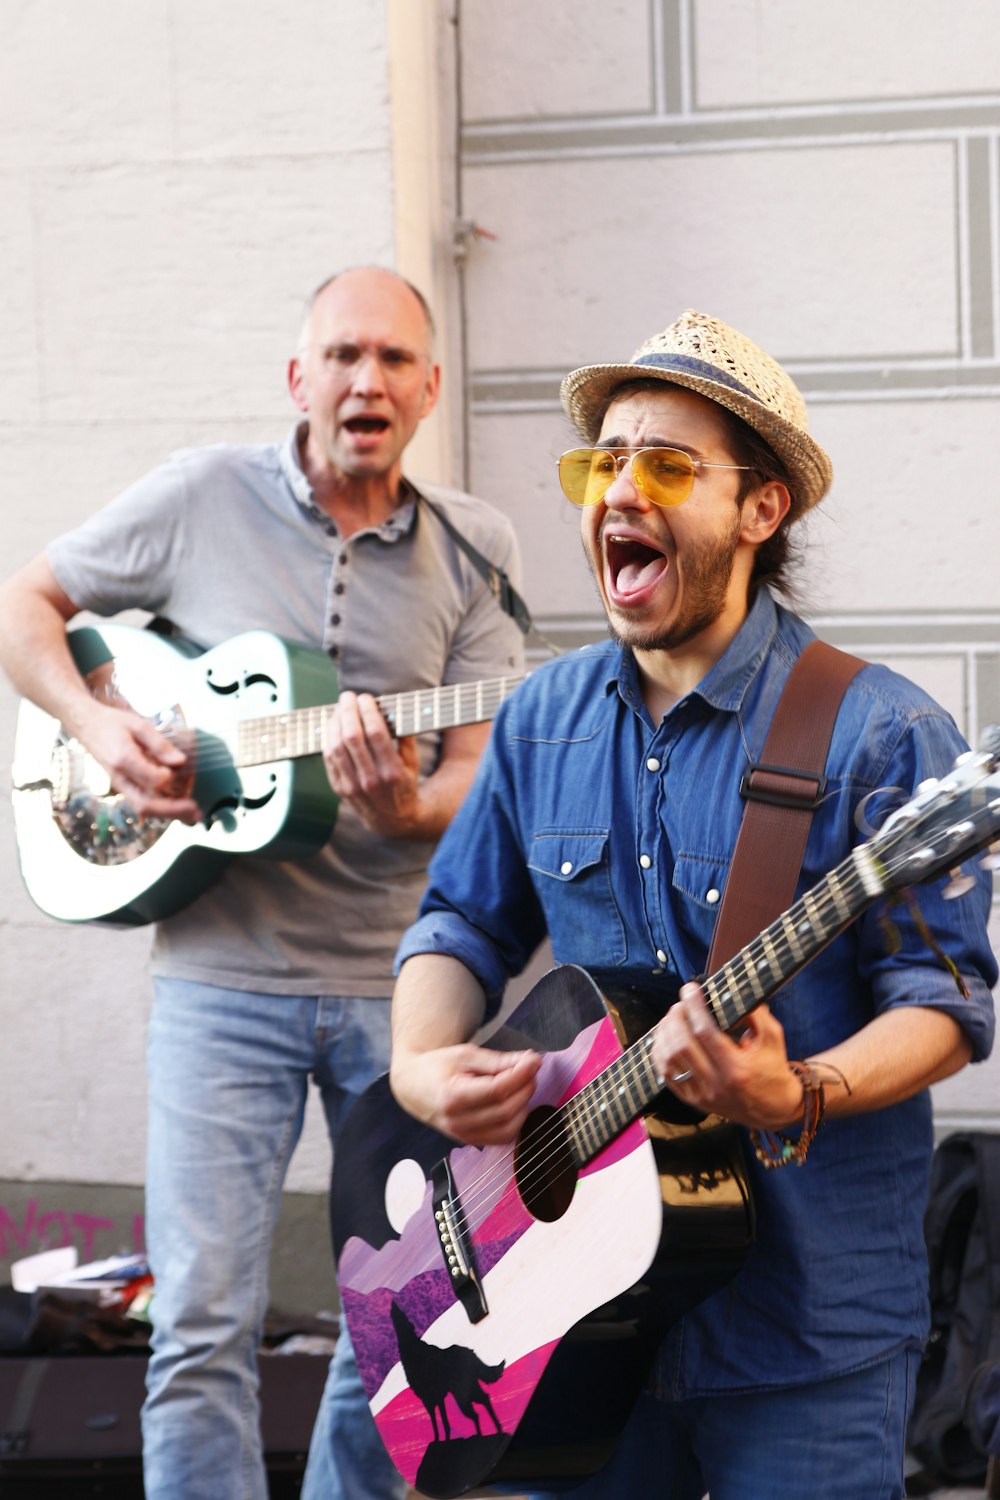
(840, 1439)
(228, 1077)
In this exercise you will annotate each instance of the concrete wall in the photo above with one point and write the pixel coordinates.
(827, 179)
(177, 174)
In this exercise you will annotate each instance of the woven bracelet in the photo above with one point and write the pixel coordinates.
(775, 1148)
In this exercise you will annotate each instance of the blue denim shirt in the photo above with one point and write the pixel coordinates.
(614, 835)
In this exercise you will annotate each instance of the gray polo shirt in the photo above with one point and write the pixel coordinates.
(226, 539)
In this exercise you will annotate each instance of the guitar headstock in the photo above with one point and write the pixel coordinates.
(946, 822)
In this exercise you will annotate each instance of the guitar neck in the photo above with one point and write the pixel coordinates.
(629, 1085)
(287, 736)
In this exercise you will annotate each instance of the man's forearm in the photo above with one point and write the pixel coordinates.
(469, 1092)
(436, 1003)
(33, 649)
(900, 1052)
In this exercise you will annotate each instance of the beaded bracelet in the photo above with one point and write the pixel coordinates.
(775, 1148)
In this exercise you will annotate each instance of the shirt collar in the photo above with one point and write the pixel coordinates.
(725, 685)
(291, 466)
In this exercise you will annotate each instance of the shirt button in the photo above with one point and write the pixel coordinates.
(712, 896)
(334, 619)
(566, 868)
(661, 955)
(339, 588)
(652, 764)
(645, 861)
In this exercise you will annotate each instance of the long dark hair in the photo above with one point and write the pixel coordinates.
(775, 559)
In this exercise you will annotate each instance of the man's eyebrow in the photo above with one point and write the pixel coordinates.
(617, 441)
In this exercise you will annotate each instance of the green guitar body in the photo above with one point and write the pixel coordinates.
(85, 855)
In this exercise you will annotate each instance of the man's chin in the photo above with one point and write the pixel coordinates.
(663, 636)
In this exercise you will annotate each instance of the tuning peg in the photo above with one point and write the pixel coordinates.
(958, 884)
(991, 859)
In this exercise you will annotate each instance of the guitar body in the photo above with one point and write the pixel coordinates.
(524, 1373)
(84, 854)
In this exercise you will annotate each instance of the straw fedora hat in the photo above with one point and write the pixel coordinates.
(711, 358)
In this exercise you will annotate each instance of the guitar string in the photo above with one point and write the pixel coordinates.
(551, 1140)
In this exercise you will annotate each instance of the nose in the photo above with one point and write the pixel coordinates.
(623, 493)
(367, 375)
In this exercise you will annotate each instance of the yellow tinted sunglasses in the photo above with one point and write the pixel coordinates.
(664, 475)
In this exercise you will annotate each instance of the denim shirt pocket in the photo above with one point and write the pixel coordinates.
(699, 880)
(571, 871)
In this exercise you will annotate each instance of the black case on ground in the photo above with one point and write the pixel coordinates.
(69, 1424)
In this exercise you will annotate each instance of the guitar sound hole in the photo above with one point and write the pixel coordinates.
(543, 1165)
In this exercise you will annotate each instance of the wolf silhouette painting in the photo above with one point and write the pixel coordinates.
(434, 1374)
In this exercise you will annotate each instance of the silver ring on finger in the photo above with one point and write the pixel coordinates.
(683, 1077)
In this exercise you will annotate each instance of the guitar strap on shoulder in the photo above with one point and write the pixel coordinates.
(497, 581)
(499, 584)
(782, 791)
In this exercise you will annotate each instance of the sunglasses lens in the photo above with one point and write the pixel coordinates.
(665, 475)
(585, 474)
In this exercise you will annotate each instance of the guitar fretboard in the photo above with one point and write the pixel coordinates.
(618, 1095)
(287, 736)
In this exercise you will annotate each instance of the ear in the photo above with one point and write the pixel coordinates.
(431, 391)
(763, 511)
(297, 384)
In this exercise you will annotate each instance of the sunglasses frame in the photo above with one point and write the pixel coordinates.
(620, 456)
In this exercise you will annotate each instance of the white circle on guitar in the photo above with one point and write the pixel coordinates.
(405, 1187)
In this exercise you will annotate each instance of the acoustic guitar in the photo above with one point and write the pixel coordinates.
(251, 714)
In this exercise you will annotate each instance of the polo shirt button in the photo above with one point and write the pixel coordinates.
(661, 955)
(712, 896)
(645, 861)
(566, 868)
(652, 764)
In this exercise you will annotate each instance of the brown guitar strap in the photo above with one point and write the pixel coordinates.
(782, 792)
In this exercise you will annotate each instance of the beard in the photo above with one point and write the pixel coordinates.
(708, 568)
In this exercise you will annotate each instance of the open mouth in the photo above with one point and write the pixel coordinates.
(632, 565)
(366, 426)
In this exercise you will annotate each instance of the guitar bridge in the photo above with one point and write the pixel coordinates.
(449, 1221)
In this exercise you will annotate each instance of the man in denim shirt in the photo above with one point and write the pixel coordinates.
(605, 814)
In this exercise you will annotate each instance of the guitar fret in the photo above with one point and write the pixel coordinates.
(724, 1003)
(298, 732)
(589, 1142)
(580, 1151)
(750, 980)
(610, 1102)
(639, 1058)
(613, 1101)
(791, 938)
(839, 899)
(445, 707)
(771, 956)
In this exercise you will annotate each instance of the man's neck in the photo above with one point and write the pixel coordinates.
(669, 674)
(355, 502)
